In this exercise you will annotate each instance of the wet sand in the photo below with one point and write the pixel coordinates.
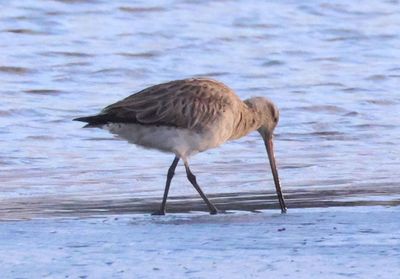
(347, 242)
(88, 205)
(351, 233)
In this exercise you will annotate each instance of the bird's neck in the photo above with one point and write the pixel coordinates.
(247, 120)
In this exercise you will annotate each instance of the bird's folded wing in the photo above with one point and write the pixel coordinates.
(191, 104)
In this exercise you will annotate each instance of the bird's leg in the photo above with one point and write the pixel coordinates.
(192, 178)
(171, 172)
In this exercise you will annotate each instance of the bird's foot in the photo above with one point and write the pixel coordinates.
(216, 211)
(158, 213)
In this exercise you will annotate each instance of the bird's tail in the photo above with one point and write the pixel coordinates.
(94, 121)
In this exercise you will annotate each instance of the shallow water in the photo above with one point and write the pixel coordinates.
(332, 69)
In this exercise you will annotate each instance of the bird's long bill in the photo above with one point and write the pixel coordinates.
(270, 150)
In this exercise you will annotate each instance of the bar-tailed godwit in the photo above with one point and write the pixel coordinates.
(188, 116)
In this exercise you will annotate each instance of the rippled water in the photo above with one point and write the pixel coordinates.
(332, 68)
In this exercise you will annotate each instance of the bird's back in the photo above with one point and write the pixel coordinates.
(192, 104)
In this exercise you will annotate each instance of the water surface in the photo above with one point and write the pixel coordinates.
(332, 69)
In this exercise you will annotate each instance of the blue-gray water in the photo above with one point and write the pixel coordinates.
(331, 67)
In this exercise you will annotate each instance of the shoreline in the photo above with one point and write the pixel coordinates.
(356, 242)
(33, 207)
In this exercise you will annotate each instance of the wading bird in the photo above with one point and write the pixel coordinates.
(188, 116)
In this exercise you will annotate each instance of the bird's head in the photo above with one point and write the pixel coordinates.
(268, 116)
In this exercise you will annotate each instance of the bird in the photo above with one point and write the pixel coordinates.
(188, 116)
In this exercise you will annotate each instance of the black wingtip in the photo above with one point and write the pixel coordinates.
(84, 119)
(81, 119)
(92, 121)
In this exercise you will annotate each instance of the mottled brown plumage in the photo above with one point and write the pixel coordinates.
(188, 104)
(189, 116)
